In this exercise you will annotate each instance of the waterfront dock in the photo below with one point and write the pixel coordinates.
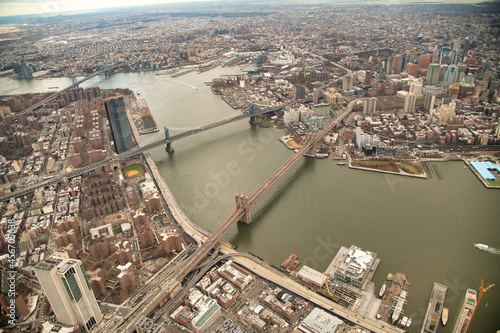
(434, 308)
(142, 117)
(290, 263)
(391, 296)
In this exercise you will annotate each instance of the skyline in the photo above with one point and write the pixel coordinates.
(54, 7)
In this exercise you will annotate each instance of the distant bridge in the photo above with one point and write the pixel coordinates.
(135, 151)
(107, 71)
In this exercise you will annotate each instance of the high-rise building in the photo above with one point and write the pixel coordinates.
(368, 78)
(347, 82)
(406, 60)
(416, 88)
(410, 101)
(120, 126)
(315, 96)
(67, 288)
(388, 65)
(412, 69)
(369, 106)
(397, 66)
(445, 51)
(424, 60)
(300, 92)
(126, 278)
(433, 74)
(430, 100)
(454, 57)
(451, 74)
(465, 312)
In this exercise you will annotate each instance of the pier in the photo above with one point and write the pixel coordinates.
(434, 308)
(391, 296)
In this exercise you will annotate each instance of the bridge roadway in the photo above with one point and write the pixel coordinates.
(164, 291)
(173, 285)
(237, 213)
(131, 152)
(52, 97)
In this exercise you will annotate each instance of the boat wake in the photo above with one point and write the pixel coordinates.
(187, 84)
(494, 251)
(487, 248)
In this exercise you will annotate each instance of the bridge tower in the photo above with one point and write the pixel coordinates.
(253, 119)
(167, 138)
(74, 80)
(310, 138)
(243, 203)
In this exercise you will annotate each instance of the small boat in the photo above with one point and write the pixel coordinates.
(408, 323)
(404, 321)
(482, 247)
(382, 290)
(53, 87)
(389, 277)
(444, 316)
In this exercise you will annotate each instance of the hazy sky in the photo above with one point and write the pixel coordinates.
(20, 7)
(49, 7)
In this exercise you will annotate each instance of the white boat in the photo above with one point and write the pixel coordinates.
(382, 290)
(399, 306)
(444, 316)
(404, 321)
(408, 323)
(482, 246)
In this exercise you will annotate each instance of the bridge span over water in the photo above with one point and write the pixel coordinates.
(241, 212)
(135, 151)
(107, 71)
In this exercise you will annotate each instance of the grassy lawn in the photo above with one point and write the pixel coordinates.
(494, 182)
(266, 122)
(117, 230)
(411, 168)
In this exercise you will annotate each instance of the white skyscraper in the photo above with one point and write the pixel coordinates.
(65, 284)
(410, 101)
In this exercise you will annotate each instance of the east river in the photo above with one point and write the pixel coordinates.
(423, 228)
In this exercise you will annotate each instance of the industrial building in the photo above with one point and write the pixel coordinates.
(120, 126)
(320, 321)
(484, 169)
(308, 274)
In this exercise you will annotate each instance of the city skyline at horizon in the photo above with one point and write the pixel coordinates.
(54, 7)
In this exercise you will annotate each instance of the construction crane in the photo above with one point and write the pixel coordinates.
(482, 290)
(326, 283)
